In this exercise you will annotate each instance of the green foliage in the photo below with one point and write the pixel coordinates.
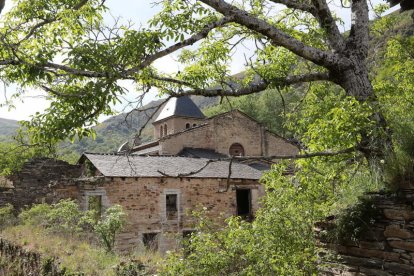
(111, 223)
(270, 107)
(354, 221)
(14, 155)
(132, 268)
(7, 216)
(278, 242)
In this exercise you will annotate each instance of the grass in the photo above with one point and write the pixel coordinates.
(74, 254)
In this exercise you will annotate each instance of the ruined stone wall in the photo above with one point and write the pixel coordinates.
(144, 201)
(386, 247)
(40, 180)
(15, 260)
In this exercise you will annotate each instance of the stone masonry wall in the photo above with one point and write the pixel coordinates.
(222, 131)
(143, 199)
(387, 247)
(40, 180)
(15, 260)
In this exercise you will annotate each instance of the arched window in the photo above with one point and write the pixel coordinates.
(161, 131)
(187, 125)
(165, 129)
(194, 125)
(236, 150)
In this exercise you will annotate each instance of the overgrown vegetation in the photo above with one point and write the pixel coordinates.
(80, 242)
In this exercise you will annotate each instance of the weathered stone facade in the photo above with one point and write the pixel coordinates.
(144, 200)
(387, 247)
(40, 180)
(219, 133)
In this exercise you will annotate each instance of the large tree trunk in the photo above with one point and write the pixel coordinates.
(355, 81)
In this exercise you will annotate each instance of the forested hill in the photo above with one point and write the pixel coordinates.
(7, 128)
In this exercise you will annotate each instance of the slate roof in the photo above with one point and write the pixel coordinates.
(159, 166)
(180, 107)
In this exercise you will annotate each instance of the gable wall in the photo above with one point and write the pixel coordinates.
(278, 146)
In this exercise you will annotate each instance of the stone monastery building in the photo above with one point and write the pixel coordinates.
(159, 183)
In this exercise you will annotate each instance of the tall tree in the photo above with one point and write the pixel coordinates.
(291, 42)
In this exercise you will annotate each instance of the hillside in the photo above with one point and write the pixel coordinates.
(7, 128)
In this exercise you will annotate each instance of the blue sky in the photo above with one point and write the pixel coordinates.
(139, 12)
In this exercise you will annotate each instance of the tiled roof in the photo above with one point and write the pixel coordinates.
(154, 166)
(182, 107)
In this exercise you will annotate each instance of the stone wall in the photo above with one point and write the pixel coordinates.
(386, 247)
(15, 260)
(40, 180)
(144, 200)
(221, 131)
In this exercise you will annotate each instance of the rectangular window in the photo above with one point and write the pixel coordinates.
(150, 241)
(171, 206)
(243, 197)
(95, 204)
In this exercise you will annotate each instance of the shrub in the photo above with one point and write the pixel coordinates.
(7, 217)
(37, 215)
(354, 221)
(111, 224)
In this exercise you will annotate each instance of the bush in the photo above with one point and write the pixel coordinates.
(111, 224)
(37, 215)
(354, 221)
(7, 217)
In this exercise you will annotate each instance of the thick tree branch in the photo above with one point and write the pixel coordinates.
(278, 37)
(359, 34)
(256, 86)
(295, 156)
(2, 3)
(296, 5)
(187, 42)
(327, 22)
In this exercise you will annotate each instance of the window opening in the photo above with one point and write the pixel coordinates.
(165, 130)
(187, 125)
(95, 205)
(243, 197)
(194, 125)
(236, 150)
(171, 206)
(161, 131)
(150, 241)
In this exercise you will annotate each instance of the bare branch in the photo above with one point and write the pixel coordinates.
(190, 173)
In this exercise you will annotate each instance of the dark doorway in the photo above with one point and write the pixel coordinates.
(243, 197)
(150, 241)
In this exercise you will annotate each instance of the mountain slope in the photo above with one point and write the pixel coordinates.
(7, 129)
